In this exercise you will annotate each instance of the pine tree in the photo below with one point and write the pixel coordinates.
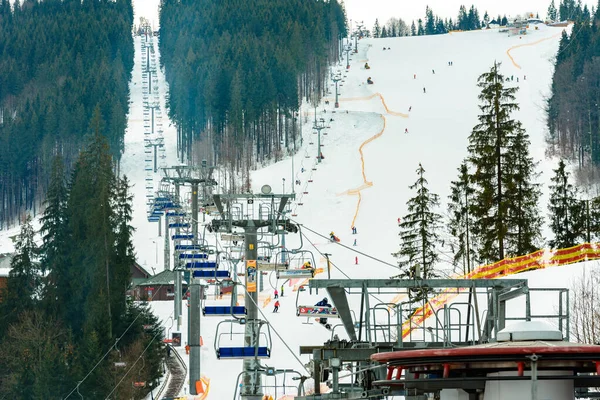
(420, 29)
(23, 285)
(376, 29)
(567, 212)
(55, 237)
(124, 256)
(413, 29)
(523, 194)
(460, 223)
(489, 143)
(552, 13)
(419, 232)
(429, 21)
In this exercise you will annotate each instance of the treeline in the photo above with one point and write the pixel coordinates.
(467, 20)
(568, 10)
(59, 59)
(237, 72)
(494, 207)
(65, 317)
(573, 112)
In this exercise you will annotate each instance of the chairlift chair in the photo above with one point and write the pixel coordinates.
(244, 352)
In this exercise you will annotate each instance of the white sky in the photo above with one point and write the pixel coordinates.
(367, 11)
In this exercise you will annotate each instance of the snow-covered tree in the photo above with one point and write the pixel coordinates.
(376, 29)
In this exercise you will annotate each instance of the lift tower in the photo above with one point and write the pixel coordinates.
(250, 213)
(196, 177)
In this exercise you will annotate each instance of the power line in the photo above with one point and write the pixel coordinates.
(349, 248)
(109, 349)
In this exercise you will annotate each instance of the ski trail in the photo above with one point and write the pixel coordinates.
(387, 110)
(527, 44)
(366, 183)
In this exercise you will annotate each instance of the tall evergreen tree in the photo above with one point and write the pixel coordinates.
(523, 195)
(23, 285)
(55, 237)
(429, 21)
(460, 224)
(413, 29)
(376, 29)
(420, 29)
(489, 145)
(567, 212)
(552, 12)
(419, 232)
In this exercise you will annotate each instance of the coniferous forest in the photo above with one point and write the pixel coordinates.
(237, 71)
(574, 105)
(67, 328)
(59, 59)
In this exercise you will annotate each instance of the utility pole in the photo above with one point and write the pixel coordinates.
(251, 378)
(336, 78)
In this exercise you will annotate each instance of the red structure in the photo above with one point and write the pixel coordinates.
(526, 363)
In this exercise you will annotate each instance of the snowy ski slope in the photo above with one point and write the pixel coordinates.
(373, 119)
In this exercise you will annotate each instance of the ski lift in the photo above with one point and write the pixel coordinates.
(139, 383)
(220, 311)
(299, 264)
(246, 352)
(314, 311)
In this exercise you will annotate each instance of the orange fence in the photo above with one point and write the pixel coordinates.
(537, 260)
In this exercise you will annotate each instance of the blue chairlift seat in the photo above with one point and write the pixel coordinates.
(188, 247)
(224, 310)
(210, 274)
(188, 256)
(153, 219)
(243, 352)
(179, 225)
(201, 265)
(176, 214)
(180, 237)
(295, 273)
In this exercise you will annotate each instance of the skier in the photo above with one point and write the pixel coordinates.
(415, 76)
(433, 70)
(332, 236)
(406, 130)
(324, 303)
(424, 91)
(367, 66)
(302, 169)
(369, 81)
(524, 77)
(356, 260)
(354, 230)
(398, 220)
(276, 306)
(306, 265)
(354, 242)
(281, 290)
(409, 108)
(276, 293)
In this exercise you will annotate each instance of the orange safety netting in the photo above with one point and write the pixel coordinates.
(540, 259)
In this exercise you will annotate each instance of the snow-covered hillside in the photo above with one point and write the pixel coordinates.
(372, 119)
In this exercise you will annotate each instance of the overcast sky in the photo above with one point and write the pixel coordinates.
(368, 10)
